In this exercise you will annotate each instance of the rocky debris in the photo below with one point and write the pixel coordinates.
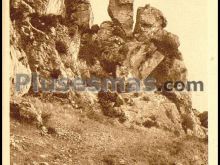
(26, 112)
(192, 126)
(110, 103)
(190, 120)
(85, 100)
(121, 12)
(158, 112)
(150, 122)
(79, 12)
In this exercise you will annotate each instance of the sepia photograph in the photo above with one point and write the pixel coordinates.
(110, 82)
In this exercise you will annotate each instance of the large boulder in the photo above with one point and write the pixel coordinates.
(149, 20)
(121, 11)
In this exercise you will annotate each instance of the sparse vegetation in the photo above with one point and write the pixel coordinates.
(61, 47)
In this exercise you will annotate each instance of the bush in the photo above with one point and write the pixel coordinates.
(61, 47)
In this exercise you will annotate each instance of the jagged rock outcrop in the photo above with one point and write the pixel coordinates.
(121, 12)
(20, 72)
(55, 50)
(56, 38)
(50, 46)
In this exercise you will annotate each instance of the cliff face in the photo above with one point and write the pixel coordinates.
(56, 38)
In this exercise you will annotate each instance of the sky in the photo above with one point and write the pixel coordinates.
(188, 20)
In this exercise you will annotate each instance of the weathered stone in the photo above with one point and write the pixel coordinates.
(182, 100)
(149, 20)
(106, 30)
(141, 59)
(149, 28)
(121, 11)
(95, 29)
(74, 47)
(150, 64)
(148, 123)
(110, 103)
(60, 52)
(203, 117)
(170, 70)
(159, 112)
(19, 67)
(192, 126)
(79, 12)
(42, 7)
(107, 43)
(52, 46)
(165, 39)
(55, 7)
(25, 111)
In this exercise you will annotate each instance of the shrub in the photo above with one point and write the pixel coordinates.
(61, 47)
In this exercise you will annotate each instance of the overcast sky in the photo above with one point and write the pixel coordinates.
(187, 19)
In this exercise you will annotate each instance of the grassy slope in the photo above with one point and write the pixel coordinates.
(86, 138)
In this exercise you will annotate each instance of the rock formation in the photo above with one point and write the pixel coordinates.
(57, 38)
(121, 12)
(79, 12)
